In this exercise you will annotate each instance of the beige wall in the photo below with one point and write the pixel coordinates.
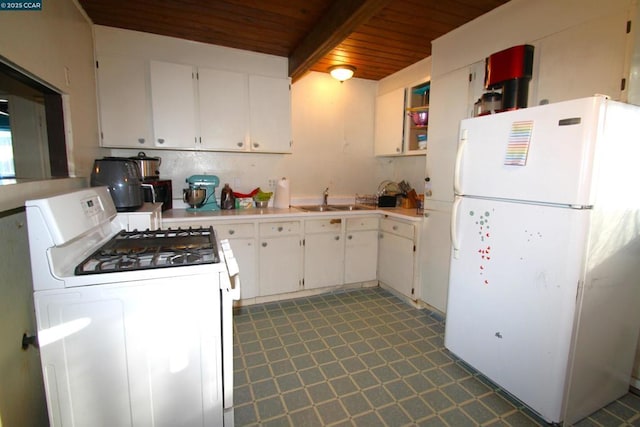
(53, 44)
(56, 45)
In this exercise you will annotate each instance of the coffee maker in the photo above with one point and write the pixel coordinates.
(201, 193)
(507, 76)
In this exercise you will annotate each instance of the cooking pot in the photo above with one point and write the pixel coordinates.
(122, 177)
(149, 166)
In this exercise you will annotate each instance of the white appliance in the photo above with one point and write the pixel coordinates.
(544, 276)
(134, 328)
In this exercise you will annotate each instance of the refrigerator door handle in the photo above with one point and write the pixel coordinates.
(456, 172)
(455, 245)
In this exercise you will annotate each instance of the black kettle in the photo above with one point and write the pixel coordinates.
(123, 178)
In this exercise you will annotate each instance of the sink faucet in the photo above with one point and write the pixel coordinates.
(325, 196)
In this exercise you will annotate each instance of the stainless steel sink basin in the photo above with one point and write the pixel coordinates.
(351, 207)
(315, 208)
(333, 208)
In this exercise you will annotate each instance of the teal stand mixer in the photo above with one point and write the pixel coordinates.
(201, 193)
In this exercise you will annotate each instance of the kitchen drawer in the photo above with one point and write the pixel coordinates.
(363, 223)
(234, 231)
(399, 228)
(324, 225)
(271, 229)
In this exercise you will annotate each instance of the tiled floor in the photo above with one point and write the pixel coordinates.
(366, 358)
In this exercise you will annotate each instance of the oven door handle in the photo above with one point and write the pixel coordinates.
(232, 285)
(229, 291)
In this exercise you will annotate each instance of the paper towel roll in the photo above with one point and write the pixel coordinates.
(282, 199)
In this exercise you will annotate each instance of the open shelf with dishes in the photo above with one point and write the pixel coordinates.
(417, 117)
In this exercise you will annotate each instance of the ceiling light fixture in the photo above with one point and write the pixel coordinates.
(342, 72)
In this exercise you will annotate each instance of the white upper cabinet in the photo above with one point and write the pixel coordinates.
(223, 101)
(389, 123)
(208, 109)
(173, 105)
(123, 94)
(270, 114)
(396, 132)
(583, 60)
(158, 92)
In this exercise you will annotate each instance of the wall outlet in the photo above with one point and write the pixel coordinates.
(273, 182)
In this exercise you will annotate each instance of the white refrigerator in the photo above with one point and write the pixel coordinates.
(544, 281)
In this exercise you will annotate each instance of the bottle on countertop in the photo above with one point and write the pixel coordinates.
(226, 198)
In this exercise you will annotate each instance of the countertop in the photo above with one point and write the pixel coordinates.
(273, 213)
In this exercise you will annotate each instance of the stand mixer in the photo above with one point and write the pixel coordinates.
(201, 193)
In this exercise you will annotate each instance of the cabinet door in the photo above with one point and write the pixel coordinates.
(270, 114)
(224, 111)
(396, 263)
(174, 105)
(389, 123)
(280, 265)
(245, 252)
(323, 260)
(123, 97)
(361, 256)
(593, 54)
(448, 105)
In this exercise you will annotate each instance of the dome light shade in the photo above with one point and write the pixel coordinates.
(342, 72)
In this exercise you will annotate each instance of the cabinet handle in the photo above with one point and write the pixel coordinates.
(256, 145)
(240, 144)
(231, 232)
(337, 238)
(264, 244)
(349, 237)
(395, 228)
(280, 228)
(160, 140)
(397, 149)
(141, 140)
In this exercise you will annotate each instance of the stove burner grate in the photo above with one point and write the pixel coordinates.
(139, 250)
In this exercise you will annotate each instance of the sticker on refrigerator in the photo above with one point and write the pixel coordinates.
(484, 251)
(518, 146)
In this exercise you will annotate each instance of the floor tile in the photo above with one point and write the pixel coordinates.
(365, 358)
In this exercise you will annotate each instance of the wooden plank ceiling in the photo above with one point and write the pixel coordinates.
(378, 37)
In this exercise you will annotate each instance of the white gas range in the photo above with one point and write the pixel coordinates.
(134, 328)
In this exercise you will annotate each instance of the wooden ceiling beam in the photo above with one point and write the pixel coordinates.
(341, 19)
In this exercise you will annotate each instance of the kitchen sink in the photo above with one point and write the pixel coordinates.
(316, 208)
(333, 208)
(351, 207)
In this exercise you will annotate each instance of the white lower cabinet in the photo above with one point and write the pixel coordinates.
(242, 238)
(361, 249)
(280, 257)
(397, 255)
(323, 253)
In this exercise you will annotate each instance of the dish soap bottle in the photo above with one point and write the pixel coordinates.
(226, 198)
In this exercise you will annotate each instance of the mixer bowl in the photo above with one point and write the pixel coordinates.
(195, 197)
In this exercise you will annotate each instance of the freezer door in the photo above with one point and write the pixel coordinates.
(540, 154)
(514, 275)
